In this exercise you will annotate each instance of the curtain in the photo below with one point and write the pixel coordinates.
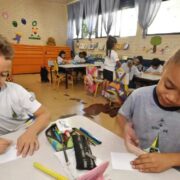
(147, 12)
(70, 26)
(78, 16)
(109, 9)
(91, 14)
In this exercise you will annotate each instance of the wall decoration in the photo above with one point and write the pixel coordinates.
(51, 41)
(155, 41)
(5, 15)
(34, 34)
(17, 38)
(14, 23)
(163, 50)
(23, 21)
(126, 46)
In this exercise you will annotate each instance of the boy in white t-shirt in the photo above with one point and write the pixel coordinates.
(16, 107)
(156, 67)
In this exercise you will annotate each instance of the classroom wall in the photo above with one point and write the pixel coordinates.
(51, 17)
(137, 46)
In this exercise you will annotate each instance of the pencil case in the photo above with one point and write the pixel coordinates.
(58, 140)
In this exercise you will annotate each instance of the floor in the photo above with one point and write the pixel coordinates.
(62, 102)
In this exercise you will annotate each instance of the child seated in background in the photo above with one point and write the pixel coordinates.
(80, 58)
(156, 67)
(61, 58)
(132, 70)
(137, 61)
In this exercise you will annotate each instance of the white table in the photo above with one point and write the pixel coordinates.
(73, 66)
(22, 169)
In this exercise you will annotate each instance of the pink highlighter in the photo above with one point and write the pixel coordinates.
(96, 173)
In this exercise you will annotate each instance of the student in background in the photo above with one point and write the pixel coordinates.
(110, 62)
(61, 58)
(132, 70)
(153, 113)
(137, 61)
(80, 58)
(156, 67)
(17, 106)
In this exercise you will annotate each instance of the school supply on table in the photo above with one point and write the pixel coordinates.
(50, 172)
(59, 141)
(83, 154)
(96, 173)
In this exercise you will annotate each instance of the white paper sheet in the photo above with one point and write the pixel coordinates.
(9, 155)
(122, 161)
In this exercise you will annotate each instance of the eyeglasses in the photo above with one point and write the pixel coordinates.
(4, 74)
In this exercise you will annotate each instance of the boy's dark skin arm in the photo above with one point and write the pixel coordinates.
(149, 162)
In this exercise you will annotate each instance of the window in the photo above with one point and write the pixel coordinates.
(167, 19)
(124, 24)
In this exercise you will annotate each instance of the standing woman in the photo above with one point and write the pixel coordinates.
(111, 60)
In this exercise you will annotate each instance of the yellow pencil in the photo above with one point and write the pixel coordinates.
(49, 171)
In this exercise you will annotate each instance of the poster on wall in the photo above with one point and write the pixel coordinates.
(34, 35)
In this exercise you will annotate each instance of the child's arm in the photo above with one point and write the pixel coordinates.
(4, 144)
(128, 134)
(156, 162)
(27, 143)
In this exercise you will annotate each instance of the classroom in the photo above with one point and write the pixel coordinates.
(89, 89)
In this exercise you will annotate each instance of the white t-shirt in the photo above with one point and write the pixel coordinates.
(60, 60)
(158, 70)
(110, 62)
(132, 72)
(77, 59)
(16, 104)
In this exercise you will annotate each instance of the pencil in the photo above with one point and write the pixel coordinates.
(49, 171)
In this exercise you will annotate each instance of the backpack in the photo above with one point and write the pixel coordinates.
(44, 74)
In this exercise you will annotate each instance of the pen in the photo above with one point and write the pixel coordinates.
(49, 171)
(89, 135)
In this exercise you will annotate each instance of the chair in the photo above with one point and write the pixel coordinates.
(59, 77)
(90, 81)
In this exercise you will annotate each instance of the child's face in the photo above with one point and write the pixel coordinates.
(5, 67)
(63, 55)
(168, 88)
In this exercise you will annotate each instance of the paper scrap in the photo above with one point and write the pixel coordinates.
(9, 155)
(122, 161)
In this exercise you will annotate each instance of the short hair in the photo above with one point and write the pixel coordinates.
(6, 49)
(175, 58)
(84, 53)
(155, 62)
(140, 58)
(61, 52)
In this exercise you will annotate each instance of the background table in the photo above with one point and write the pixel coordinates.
(22, 169)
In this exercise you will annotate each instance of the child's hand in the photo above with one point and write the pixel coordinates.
(4, 144)
(152, 162)
(130, 135)
(27, 143)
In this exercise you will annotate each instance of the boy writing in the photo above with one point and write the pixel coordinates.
(16, 106)
(152, 113)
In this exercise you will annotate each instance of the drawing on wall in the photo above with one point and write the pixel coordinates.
(34, 34)
(165, 49)
(5, 15)
(14, 23)
(17, 38)
(155, 41)
(23, 21)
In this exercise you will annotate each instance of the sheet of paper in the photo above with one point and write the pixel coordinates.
(9, 155)
(122, 161)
